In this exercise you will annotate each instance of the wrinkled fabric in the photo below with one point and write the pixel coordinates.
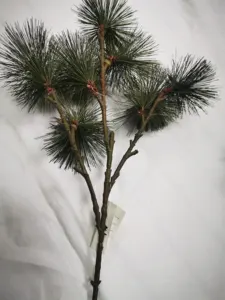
(37, 257)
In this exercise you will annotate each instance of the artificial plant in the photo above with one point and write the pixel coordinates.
(78, 74)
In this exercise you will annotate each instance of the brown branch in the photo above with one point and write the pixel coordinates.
(102, 232)
(103, 84)
(82, 170)
(133, 142)
(109, 145)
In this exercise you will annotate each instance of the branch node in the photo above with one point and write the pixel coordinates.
(95, 283)
(78, 170)
(92, 87)
(135, 152)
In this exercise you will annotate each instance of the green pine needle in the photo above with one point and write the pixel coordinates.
(192, 82)
(89, 138)
(132, 58)
(139, 97)
(190, 88)
(27, 62)
(78, 63)
(116, 16)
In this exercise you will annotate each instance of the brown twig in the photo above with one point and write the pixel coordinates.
(102, 232)
(133, 142)
(103, 84)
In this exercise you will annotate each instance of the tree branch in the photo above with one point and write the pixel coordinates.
(82, 170)
(133, 142)
(103, 85)
(109, 144)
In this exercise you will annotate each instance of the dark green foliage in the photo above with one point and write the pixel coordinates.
(89, 138)
(32, 61)
(27, 62)
(189, 86)
(78, 63)
(131, 58)
(192, 82)
(115, 15)
(132, 49)
(138, 99)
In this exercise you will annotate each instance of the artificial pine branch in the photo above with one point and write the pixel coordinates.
(192, 84)
(117, 17)
(89, 138)
(78, 68)
(82, 169)
(132, 58)
(70, 73)
(27, 57)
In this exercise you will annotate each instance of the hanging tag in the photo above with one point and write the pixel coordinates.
(114, 218)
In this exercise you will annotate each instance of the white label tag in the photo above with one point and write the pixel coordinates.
(114, 218)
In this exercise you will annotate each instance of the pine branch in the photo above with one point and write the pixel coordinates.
(133, 142)
(116, 16)
(189, 87)
(132, 58)
(139, 97)
(192, 84)
(78, 72)
(82, 169)
(27, 59)
(70, 72)
(89, 137)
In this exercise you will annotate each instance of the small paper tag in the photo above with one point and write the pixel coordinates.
(114, 218)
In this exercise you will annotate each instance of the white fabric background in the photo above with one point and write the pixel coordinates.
(171, 243)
